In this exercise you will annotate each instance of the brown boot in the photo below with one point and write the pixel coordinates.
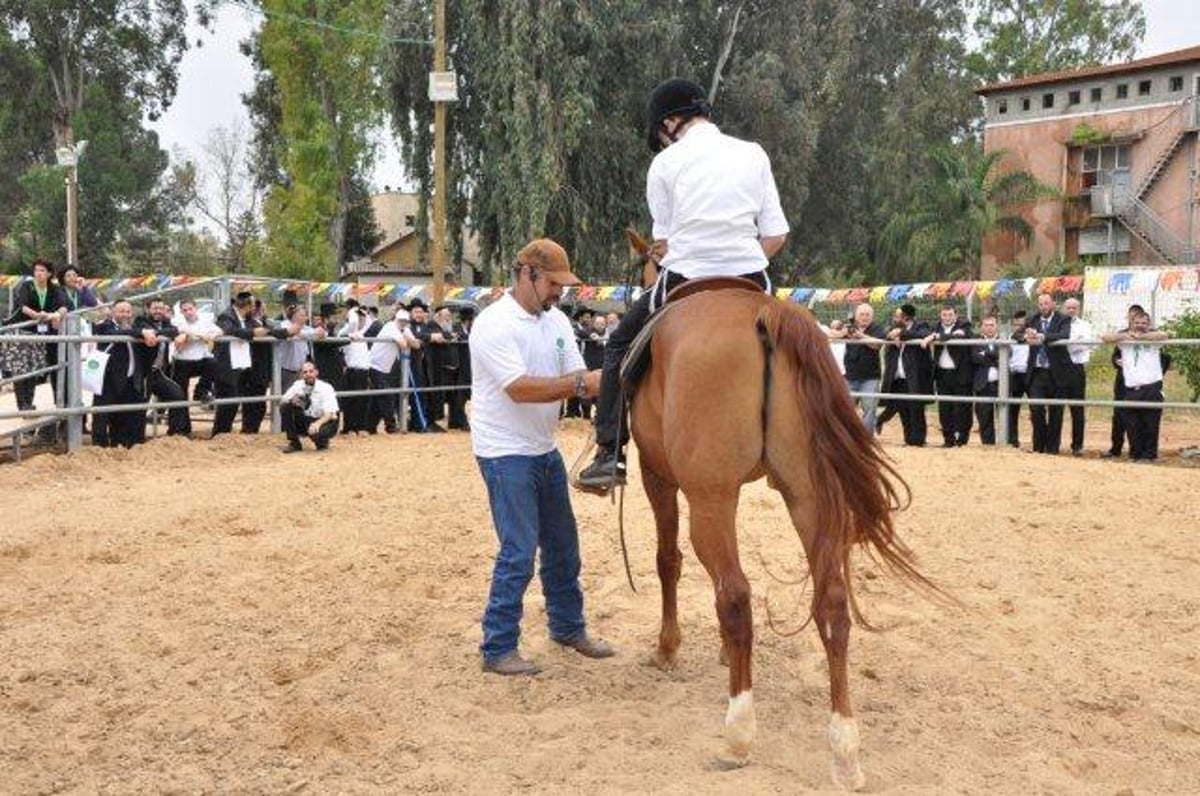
(510, 665)
(587, 646)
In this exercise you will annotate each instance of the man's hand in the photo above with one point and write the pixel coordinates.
(261, 331)
(149, 337)
(591, 383)
(313, 428)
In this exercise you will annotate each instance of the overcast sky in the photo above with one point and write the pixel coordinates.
(213, 77)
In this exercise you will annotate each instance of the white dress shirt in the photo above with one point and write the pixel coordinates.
(322, 397)
(1080, 330)
(712, 197)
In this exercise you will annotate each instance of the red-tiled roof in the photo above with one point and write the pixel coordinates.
(1165, 59)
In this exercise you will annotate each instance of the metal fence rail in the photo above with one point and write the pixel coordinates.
(71, 408)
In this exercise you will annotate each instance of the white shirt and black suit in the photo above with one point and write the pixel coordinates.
(985, 358)
(1142, 370)
(952, 376)
(1018, 384)
(1076, 387)
(1049, 375)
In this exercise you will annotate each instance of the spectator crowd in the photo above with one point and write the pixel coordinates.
(351, 359)
(948, 358)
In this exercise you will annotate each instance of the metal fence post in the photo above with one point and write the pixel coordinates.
(276, 387)
(74, 385)
(405, 380)
(1002, 392)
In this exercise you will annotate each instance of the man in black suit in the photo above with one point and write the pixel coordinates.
(328, 356)
(234, 358)
(952, 375)
(122, 382)
(891, 360)
(913, 374)
(1049, 372)
(424, 409)
(1018, 376)
(157, 333)
(986, 381)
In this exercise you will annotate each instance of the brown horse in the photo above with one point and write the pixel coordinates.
(763, 397)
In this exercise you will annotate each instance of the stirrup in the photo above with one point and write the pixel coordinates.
(603, 475)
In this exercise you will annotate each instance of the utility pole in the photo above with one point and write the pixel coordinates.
(69, 156)
(439, 153)
(72, 221)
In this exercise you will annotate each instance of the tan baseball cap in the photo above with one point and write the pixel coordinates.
(550, 259)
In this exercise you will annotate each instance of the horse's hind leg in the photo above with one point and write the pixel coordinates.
(714, 537)
(664, 500)
(831, 613)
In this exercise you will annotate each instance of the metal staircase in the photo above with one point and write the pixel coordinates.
(1141, 220)
(1128, 205)
(1161, 162)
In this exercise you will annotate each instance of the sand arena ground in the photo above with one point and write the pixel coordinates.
(216, 617)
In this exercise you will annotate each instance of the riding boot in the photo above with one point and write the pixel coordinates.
(607, 471)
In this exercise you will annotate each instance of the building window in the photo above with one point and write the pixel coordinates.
(1024, 103)
(1177, 83)
(1144, 88)
(1048, 100)
(1101, 163)
(1097, 94)
(1002, 106)
(1122, 91)
(410, 221)
(1073, 98)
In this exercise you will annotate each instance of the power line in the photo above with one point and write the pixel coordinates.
(316, 23)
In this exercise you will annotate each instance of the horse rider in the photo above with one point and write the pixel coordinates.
(715, 212)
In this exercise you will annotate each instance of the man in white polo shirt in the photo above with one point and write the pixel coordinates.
(524, 363)
(716, 212)
(1142, 371)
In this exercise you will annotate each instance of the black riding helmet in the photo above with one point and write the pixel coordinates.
(674, 97)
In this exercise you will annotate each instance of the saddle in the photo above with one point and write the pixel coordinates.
(637, 358)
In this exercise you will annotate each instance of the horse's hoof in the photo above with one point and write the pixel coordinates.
(848, 775)
(844, 742)
(740, 727)
(662, 661)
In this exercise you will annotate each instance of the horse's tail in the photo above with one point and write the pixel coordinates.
(854, 485)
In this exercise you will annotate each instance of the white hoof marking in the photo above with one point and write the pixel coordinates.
(740, 726)
(844, 741)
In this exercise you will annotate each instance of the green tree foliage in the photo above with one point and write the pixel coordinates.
(548, 136)
(85, 71)
(1186, 359)
(1025, 37)
(323, 61)
(966, 199)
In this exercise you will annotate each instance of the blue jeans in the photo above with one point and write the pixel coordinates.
(531, 509)
(868, 404)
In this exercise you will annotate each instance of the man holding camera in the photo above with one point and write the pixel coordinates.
(862, 360)
(309, 408)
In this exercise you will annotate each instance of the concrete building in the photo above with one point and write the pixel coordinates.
(398, 256)
(1119, 144)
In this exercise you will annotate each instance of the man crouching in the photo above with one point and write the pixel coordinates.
(309, 408)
